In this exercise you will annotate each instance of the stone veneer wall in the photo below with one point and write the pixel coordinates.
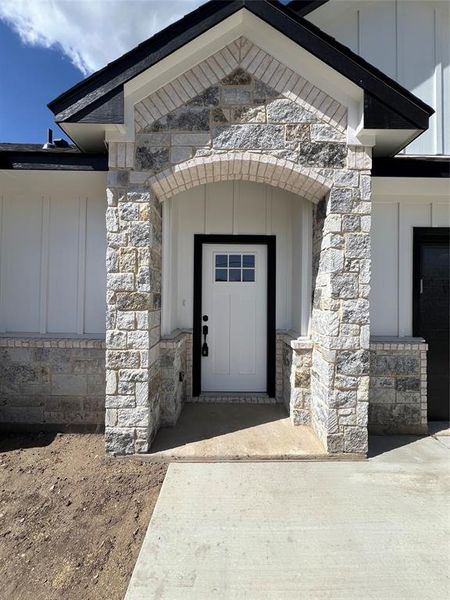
(398, 385)
(398, 382)
(239, 115)
(58, 384)
(240, 99)
(52, 384)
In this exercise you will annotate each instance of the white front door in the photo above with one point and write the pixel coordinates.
(234, 299)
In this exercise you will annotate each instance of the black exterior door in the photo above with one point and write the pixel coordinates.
(432, 313)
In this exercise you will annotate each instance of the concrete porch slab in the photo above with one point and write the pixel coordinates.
(216, 432)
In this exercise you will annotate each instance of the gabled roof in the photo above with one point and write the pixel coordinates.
(100, 99)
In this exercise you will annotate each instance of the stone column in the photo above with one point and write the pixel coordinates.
(133, 224)
(340, 323)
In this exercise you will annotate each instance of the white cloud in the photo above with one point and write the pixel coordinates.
(91, 32)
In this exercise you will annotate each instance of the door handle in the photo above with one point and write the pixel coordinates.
(205, 330)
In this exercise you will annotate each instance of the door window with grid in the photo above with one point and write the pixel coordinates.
(234, 267)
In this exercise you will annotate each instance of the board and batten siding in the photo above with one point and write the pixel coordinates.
(238, 207)
(52, 253)
(399, 205)
(409, 40)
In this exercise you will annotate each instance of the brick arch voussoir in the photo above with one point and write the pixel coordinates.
(260, 168)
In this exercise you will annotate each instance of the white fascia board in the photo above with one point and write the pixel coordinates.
(266, 37)
(428, 188)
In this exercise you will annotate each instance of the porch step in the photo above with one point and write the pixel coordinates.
(233, 398)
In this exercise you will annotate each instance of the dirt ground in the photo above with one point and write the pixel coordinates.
(71, 520)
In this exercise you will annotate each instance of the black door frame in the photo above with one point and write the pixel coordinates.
(270, 242)
(422, 235)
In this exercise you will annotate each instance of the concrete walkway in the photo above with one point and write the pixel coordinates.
(377, 530)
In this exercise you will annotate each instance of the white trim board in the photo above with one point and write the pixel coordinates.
(430, 187)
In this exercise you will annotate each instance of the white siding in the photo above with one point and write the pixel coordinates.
(394, 215)
(234, 208)
(384, 286)
(95, 283)
(408, 40)
(62, 279)
(52, 253)
(20, 263)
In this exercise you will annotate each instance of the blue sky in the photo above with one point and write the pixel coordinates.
(46, 46)
(30, 77)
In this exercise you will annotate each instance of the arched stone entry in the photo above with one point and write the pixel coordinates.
(257, 121)
(241, 166)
